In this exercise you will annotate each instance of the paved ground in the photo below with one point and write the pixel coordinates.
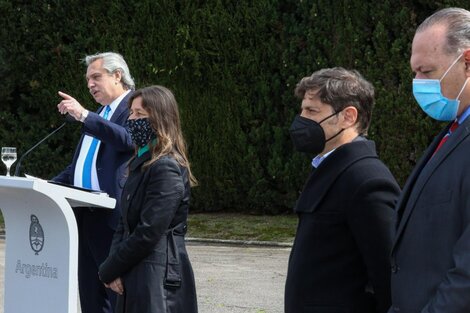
(233, 279)
(230, 279)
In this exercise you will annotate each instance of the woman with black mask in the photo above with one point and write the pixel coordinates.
(148, 265)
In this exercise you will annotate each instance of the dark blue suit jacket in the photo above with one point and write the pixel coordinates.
(115, 150)
(431, 253)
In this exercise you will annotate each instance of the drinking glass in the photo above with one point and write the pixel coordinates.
(8, 157)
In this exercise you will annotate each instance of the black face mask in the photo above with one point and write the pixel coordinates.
(308, 136)
(140, 130)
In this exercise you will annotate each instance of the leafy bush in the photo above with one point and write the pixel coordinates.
(233, 66)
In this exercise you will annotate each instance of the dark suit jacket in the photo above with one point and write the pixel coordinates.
(115, 150)
(431, 252)
(154, 200)
(344, 235)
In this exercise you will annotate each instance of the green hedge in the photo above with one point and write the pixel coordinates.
(233, 66)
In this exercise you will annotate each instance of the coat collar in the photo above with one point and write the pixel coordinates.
(120, 109)
(135, 162)
(321, 179)
(424, 169)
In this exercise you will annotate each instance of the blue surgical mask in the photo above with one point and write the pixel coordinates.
(428, 94)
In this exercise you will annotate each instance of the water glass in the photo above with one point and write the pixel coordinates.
(8, 157)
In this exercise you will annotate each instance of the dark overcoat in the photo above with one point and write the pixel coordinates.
(339, 262)
(148, 250)
(431, 252)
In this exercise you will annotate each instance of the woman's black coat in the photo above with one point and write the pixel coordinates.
(148, 250)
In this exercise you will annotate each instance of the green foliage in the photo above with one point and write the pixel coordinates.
(233, 66)
(280, 228)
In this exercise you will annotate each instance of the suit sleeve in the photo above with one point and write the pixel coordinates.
(111, 133)
(164, 193)
(108, 132)
(371, 218)
(65, 176)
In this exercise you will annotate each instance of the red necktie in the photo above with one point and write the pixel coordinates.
(452, 128)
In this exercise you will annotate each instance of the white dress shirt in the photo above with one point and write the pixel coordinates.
(86, 143)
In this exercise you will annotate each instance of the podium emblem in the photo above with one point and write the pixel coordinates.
(36, 235)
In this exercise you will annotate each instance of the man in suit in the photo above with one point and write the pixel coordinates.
(99, 163)
(431, 251)
(340, 258)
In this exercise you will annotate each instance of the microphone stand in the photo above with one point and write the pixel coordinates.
(18, 165)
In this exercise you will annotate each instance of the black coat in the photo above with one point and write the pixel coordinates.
(344, 236)
(148, 250)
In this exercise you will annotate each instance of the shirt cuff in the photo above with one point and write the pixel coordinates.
(83, 116)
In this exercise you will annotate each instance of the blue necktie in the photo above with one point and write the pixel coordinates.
(86, 175)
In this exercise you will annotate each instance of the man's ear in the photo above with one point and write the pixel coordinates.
(349, 117)
(117, 76)
(466, 57)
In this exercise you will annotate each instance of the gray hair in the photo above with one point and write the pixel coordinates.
(113, 62)
(341, 88)
(457, 21)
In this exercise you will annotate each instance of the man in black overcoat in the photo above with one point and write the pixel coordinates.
(340, 259)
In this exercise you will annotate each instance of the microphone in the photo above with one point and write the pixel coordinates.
(68, 119)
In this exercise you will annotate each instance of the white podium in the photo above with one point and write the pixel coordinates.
(41, 244)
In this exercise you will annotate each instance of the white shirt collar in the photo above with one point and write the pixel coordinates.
(113, 105)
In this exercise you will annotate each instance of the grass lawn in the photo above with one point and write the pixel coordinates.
(242, 227)
(235, 226)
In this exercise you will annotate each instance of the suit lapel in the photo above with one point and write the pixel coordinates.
(137, 161)
(424, 170)
(121, 108)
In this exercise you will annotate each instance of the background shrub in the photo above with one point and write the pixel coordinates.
(233, 66)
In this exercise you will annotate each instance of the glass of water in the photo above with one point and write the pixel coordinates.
(8, 157)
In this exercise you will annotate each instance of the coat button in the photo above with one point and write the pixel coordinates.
(395, 269)
(128, 196)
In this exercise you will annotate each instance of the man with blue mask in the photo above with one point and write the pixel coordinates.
(428, 94)
(431, 253)
(340, 258)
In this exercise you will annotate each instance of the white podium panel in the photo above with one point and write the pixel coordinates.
(41, 244)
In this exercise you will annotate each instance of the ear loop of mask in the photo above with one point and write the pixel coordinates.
(342, 130)
(450, 67)
(461, 90)
(335, 113)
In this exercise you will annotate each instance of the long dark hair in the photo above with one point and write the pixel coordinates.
(162, 108)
